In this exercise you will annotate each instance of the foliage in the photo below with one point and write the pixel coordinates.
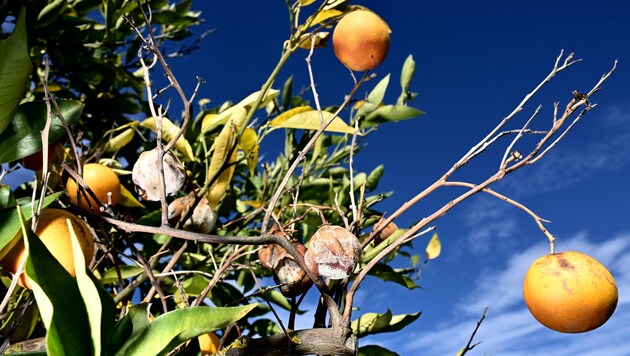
(149, 289)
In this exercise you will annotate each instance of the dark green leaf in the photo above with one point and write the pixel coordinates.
(287, 92)
(126, 271)
(51, 12)
(15, 68)
(375, 350)
(389, 113)
(6, 197)
(387, 273)
(134, 322)
(170, 329)
(23, 137)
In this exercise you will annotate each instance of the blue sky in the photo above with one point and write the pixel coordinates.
(475, 62)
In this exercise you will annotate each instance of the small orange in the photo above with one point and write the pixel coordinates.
(570, 292)
(208, 344)
(361, 40)
(53, 230)
(101, 180)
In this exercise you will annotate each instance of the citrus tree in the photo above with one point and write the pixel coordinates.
(150, 230)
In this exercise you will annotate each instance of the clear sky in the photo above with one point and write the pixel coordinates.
(475, 61)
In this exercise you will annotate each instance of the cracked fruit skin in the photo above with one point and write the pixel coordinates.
(100, 179)
(53, 230)
(570, 292)
(361, 40)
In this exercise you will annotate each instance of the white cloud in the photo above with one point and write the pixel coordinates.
(509, 329)
(489, 222)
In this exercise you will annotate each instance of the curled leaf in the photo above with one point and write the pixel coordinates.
(169, 131)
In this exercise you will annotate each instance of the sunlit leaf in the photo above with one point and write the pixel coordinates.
(128, 199)
(51, 12)
(320, 17)
(408, 71)
(249, 144)
(211, 121)
(321, 39)
(375, 323)
(311, 120)
(126, 271)
(171, 329)
(169, 131)
(378, 93)
(434, 247)
(389, 113)
(15, 68)
(222, 146)
(371, 250)
(306, 2)
(374, 178)
(23, 137)
(119, 141)
(7, 200)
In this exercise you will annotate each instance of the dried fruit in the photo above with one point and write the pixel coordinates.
(386, 232)
(286, 271)
(202, 219)
(570, 292)
(333, 252)
(145, 175)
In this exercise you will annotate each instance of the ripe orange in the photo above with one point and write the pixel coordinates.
(53, 230)
(361, 40)
(101, 180)
(208, 343)
(570, 292)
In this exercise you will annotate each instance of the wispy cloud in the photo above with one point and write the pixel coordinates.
(509, 329)
(489, 222)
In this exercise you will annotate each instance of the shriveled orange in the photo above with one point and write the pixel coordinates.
(361, 40)
(208, 344)
(101, 180)
(53, 230)
(570, 292)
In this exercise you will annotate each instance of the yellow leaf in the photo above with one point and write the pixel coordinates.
(280, 119)
(321, 38)
(119, 141)
(210, 121)
(434, 247)
(128, 199)
(169, 131)
(310, 120)
(306, 2)
(249, 145)
(320, 17)
(221, 149)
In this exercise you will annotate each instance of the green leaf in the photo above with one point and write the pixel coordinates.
(171, 329)
(311, 120)
(375, 350)
(10, 223)
(434, 247)
(126, 271)
(374, 323)
(371, 250)
(51, 12)
(249, 144)
(23, 137)
(387, 273)
(374, 178)
(389, 113)
(287, 93)
(134, 322)
(15, 69)
(378, 93)
(6, 197)
(119, 141)
(406, 75)
(59, 300)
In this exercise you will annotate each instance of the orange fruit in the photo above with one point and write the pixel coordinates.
(570, 292)
(101, 180)
(361, 40)
(208, 343)
(53, 230)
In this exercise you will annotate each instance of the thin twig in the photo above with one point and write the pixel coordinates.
(470, 345)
